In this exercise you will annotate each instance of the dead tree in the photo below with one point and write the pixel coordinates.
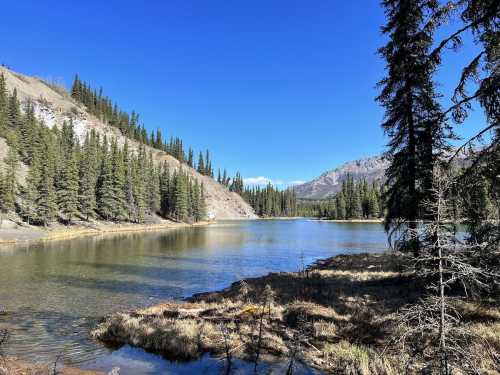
(431, 330)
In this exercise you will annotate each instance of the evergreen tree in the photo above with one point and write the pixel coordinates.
(117, 183)
(14, 120)
(88, 177)
(3, 104)
(412, 117)
(201, 164)
(8, 197)
(181, 197)
(67, 193)
(46, 198)
(341, 206)
(202, 205)
(153, 187)
(105, 205)
(190, 160)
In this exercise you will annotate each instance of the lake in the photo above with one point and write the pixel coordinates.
(53, 293)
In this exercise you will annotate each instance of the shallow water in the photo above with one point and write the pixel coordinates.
(53, 293)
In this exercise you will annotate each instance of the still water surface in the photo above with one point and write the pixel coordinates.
(53, 293)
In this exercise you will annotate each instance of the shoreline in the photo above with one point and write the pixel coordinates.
(342, 310)
(29, 235)
(356, 221)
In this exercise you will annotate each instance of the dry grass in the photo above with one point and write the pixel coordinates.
(12, 366)
(342, 311)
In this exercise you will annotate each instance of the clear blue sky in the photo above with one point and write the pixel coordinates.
(277, 88)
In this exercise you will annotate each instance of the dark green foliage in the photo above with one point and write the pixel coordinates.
(356, 200)
(98, 179)
(88, 172)
(181, 198)
(8, 183)
(237, 184)
(269, 201)
(3, 105)
(68, 179)
(129, 125)
(413, 119)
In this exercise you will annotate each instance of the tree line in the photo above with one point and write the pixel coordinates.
(97, 179)
(356, 200)
(129, 125)
(270, 201)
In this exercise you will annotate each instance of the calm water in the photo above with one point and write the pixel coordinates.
(53, 293)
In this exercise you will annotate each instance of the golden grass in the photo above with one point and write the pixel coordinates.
(14, 366)
(342, 311)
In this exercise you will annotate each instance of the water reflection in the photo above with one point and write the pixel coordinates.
(53, 292)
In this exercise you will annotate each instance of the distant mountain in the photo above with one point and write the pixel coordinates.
(330, 182)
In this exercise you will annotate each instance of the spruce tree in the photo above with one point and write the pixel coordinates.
(14, 112)
(10, 184)
(46, 198)
(202, 205)
(412, 116)
(88, 177)
(105, 190)
(181, 197)
(190, 160)
(201, 164)
(154, 198)
(341, 206)
(3, 104)
(119, 211)
(67, 192)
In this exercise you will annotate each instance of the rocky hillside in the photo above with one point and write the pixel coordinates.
(330, 182)
(53, 105)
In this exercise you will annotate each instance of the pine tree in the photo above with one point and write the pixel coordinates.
(412, 115)
(105, 205)
(3, 104)
(8, 198)
(154, 198)
(165, 187)
(117, 183)
(341, 206)
(30, 191)
(13, 112)
(190, 160)
(181, 197)
(202, 205)
(46, 198)
(88, 177)
(67, 192)
(67, 187)
(201, 164)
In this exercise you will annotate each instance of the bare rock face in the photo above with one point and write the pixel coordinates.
(330, 182)
(53, 105)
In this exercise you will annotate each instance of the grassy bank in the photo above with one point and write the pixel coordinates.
(338, 316)
(13, 366)
(33, 234)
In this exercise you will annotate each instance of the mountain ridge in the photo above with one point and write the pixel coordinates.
(371, 169)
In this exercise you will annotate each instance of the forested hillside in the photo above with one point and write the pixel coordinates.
(64, 164)
(355, 200)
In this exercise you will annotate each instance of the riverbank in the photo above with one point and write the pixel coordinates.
(379, 221)
(14, 366)
(14, 234)
(338, 316)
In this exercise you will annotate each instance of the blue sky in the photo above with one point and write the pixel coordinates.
(281, 89)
